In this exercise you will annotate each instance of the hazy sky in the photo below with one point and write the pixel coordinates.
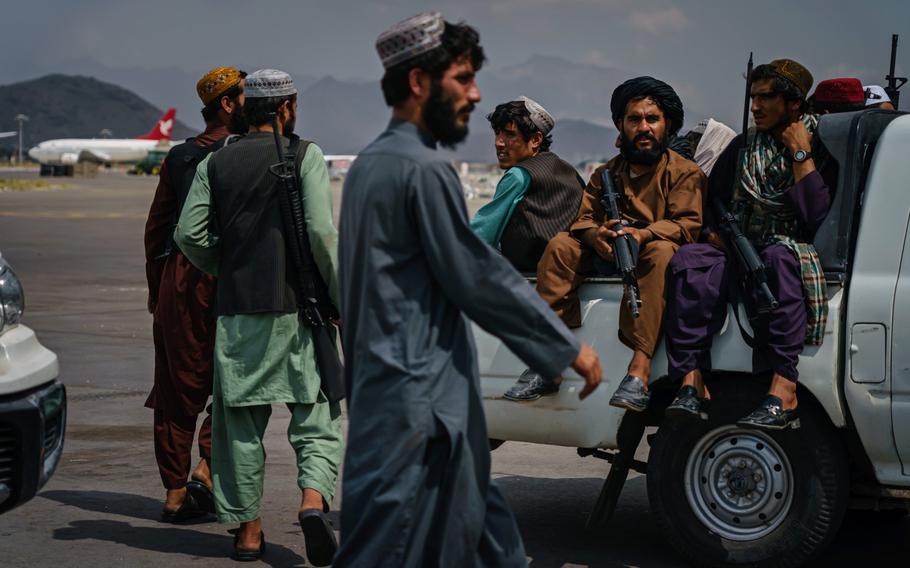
(700, 47)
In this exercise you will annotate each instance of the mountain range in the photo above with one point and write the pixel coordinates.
(341, 115)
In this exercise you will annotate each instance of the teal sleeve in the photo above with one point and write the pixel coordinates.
(192, 233)
(317, 208)
(491, 220)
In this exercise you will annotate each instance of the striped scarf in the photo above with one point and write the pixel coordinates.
(769, 218)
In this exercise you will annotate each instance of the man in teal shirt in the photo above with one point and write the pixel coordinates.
(231, 226)
(539, 194)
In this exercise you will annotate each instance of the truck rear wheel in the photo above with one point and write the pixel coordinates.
(725, 496)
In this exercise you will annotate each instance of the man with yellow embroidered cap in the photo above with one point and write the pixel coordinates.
(264, 352)
(180, 300)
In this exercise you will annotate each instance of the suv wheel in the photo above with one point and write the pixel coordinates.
(726, 496)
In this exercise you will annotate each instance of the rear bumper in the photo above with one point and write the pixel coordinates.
(32, 426)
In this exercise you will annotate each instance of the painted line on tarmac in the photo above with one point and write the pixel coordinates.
(71, 215)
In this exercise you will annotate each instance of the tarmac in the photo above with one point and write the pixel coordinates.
(78, 251)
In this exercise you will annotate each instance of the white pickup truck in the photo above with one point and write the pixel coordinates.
(729, 497)
(32, 401)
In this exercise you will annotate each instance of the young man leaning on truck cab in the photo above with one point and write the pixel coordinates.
(770, 180)
(539, 194)
(661, 205)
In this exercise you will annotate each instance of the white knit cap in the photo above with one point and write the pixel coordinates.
(875, 95)
(409, 38)
(542, 119)
(268, 83)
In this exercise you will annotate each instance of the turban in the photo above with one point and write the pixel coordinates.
(216, 82)
(661, 92)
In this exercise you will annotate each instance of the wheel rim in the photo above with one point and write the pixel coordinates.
(739, 483)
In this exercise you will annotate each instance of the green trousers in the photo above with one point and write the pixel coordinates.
(238, 453)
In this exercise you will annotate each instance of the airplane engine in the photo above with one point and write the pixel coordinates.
(69, 158)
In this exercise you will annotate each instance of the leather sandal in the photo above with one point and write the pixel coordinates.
(631, 394)
(687, 404)
(770, 415)
(188, 511)
(244, 555)
(530, 386)
(319, 536)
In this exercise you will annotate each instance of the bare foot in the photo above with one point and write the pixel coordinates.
(695, 379)
(202, 473)
(248, 537)
(784, 389)
(311, 499)
(640, 367)
(174, 500)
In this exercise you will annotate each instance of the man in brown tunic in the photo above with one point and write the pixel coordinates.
(661, 205)
(180, 301)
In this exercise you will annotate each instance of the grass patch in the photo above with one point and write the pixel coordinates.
(27, 185)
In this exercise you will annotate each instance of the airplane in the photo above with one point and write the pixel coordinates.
(66, 151)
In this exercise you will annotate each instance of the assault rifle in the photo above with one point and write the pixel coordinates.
(749, 261)
(314, 307)
(894, 83)
(625, 248)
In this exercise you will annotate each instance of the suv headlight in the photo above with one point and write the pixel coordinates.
(12, 298)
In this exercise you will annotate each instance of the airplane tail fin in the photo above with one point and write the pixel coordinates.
(162, 128)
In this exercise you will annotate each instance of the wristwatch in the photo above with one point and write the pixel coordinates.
(801, 156)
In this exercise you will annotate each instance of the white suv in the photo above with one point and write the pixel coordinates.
(32, 401)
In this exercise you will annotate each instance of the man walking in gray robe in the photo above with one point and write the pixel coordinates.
(416, 484)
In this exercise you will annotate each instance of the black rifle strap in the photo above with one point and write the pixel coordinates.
(307, 266)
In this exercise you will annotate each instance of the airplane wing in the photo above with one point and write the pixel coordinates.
(94, 156)
(7, 134)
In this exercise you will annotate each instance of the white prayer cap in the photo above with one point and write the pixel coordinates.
(409, 38)
(269, 83)
(542, 119)
(875, 95)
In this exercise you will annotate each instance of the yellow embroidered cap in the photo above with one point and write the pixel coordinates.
(217, 81)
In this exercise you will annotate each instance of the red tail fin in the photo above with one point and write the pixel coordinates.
(162, 128)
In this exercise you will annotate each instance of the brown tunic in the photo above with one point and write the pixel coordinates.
(181, 301)
(667, 203)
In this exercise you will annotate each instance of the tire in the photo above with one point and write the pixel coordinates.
(791, 488)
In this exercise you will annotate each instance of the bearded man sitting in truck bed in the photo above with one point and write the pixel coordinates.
(661, 203)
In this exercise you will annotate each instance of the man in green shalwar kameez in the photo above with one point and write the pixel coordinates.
(231, 227)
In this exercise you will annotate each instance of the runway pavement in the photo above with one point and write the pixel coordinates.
(78, 251)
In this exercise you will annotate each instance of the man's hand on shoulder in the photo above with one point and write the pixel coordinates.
(587, 364)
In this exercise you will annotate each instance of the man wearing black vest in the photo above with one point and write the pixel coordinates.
(180, 301)
(232, 227)
(539, 194)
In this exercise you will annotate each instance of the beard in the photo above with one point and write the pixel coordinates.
(237, 123)
(644, 157)
(440, 116)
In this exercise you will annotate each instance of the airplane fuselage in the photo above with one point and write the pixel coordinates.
(102, 150)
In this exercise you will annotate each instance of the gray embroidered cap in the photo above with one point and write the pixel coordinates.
(409, 38)
(539, 116)
(269, 83)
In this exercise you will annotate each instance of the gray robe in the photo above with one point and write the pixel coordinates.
(416, 482)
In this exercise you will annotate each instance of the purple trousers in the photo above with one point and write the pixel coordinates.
(701, 280)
